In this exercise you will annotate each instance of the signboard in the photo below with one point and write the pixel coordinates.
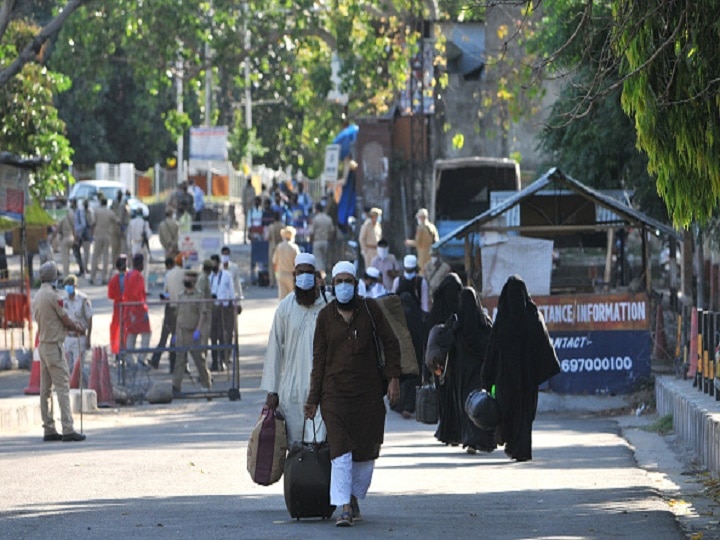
(603, 342)
(197, 246)
(13, 183)
(209, 143)
(332, 163)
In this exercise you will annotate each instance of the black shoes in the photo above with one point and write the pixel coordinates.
(50, 437)
(73, 437)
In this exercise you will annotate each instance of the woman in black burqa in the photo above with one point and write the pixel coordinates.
(445, 304)
(472, 335)
(519, 358)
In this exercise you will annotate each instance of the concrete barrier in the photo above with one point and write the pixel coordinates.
(696, 418)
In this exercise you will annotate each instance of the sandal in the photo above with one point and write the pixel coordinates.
(355, 508)
(344, 520)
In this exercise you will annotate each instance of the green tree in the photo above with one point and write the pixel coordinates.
(31, 126)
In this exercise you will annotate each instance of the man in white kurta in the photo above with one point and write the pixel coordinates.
(289, 356)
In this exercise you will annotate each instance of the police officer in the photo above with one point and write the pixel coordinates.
(202, 286)
(119, 238)
(191, 315)
(79, 308)
(52, 322)
(66, 234)
(105, 224)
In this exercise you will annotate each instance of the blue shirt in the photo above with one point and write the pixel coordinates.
(199, 198)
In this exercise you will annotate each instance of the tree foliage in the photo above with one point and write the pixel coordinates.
(31, 126)
(670, 56)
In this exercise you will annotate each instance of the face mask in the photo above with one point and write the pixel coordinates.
(344, 292)
(305, 282)
(434, 259)
(225, 258)
(70, 289)
(188, 284)
(383, 252)
(409, 275)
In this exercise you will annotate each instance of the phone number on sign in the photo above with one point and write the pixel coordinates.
(612, 363)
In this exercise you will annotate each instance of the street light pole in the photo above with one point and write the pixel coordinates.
(248, 94)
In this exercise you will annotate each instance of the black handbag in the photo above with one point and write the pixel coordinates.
(483, 409)
(427, 406)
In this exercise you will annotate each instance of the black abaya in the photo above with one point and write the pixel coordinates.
(519, 358)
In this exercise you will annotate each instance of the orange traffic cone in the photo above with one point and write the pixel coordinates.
(660, 345)
(33, 387)
(105, 397)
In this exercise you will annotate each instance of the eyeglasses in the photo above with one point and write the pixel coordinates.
(337, 281)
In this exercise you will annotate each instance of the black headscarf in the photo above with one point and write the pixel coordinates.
(445, 300)
(473, 323)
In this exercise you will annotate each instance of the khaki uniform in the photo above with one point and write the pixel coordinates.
(105, 220)
(168, 231)
(284, 262)
(53, 367)
(203, 289)
(119, 238)
(425, 236)
(190, 317)
(322, 232)
(274, 239)
(370, 235)
(80, 310)
(66, 234)
(87, 245)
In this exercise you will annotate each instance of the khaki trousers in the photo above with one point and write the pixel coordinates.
(54, 372)
(184, 339)
(101, 249)
(286, 284)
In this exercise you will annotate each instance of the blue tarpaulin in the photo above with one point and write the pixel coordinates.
(345, 139)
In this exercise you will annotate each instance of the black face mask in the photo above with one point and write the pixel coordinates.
(188, 284)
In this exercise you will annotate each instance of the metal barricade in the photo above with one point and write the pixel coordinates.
(134, 376)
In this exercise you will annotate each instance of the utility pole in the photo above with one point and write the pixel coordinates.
(179, 98)
(208, 92)
(248, 93)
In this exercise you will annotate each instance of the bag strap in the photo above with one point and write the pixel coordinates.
(378, 349)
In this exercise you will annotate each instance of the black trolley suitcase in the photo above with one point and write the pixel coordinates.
(307, 480)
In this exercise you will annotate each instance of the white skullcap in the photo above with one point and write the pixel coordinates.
(372, 272)
(305, 258)
(344, 267)
(410, 262)
(422, 212)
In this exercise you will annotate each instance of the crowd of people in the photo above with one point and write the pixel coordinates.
(332, 353)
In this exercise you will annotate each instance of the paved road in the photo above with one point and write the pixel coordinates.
(178, 471)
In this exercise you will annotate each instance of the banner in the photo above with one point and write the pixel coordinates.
(209, 144)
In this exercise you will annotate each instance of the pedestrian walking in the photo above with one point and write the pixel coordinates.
(191, 315)
(116, 293)
(322, 232)
(53, 321)
(174, 280)
(387, 264)
(289, 353)
(274, 238)
(426, 235)
(80, 230)
(520, 357)
(119, 238)
(105, 224)
(370, 235)
(169, 234)
(410, 281)
(79, 309)
(88, 237)
(138, 237)
(248, 200)
(222, 323)
(66, 235)
(283, 261)
(198, 196)
(135, 315)
(348, 385)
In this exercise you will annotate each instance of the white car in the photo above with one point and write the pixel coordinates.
(91, 189)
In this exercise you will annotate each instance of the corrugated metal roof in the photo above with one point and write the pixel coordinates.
(24, 163)
(555, 177)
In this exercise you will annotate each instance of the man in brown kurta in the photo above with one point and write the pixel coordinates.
(347, 384)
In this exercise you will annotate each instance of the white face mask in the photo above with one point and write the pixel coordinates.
(434, 259)
(409, 275)
(383, 252)
(225, 258)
